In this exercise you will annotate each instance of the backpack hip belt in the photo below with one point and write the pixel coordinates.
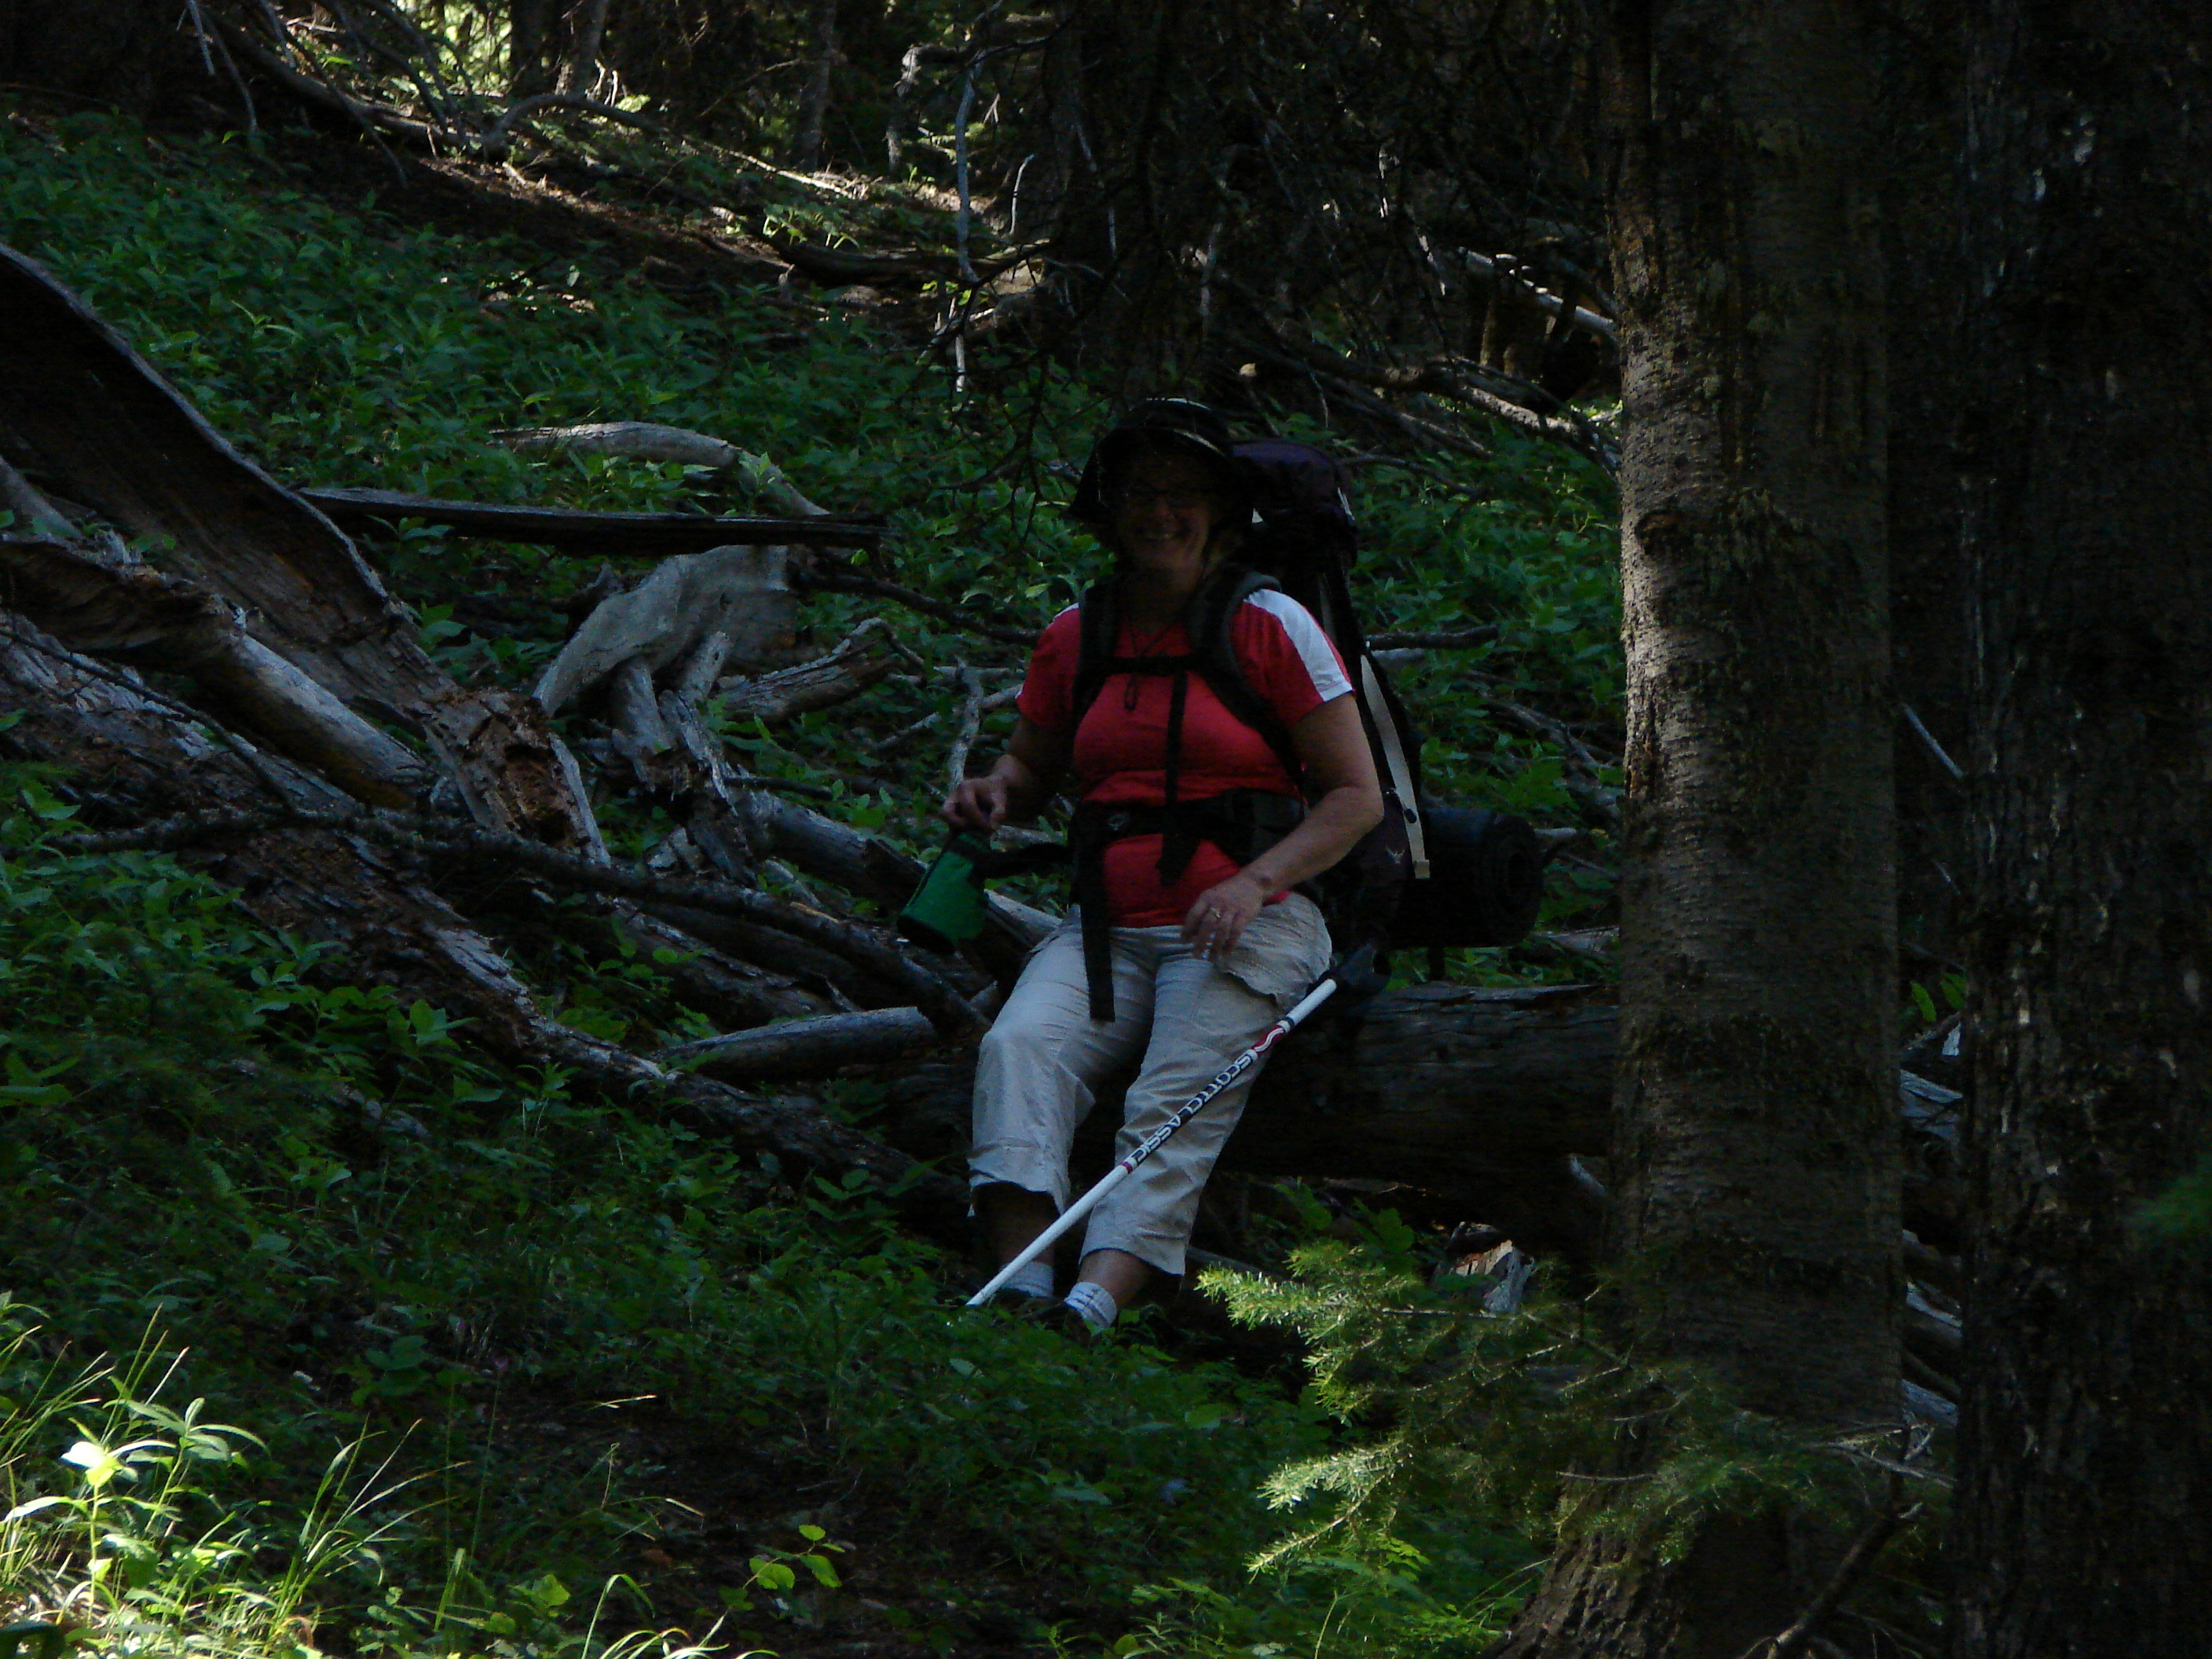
(1243, 823)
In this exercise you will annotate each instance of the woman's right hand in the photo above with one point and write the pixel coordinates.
(1014, 788)
(977, 803)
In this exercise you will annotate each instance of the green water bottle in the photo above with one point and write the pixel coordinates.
(946, 910)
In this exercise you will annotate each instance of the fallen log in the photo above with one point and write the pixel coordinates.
(616, 535)
(865, 866)
(802, 1047)
(848, 581)
(117, 437)
(444, 841)
(329, 882)
(1490, 1096)
(137, 615)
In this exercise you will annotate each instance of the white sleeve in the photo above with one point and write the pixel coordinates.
(1316, 652)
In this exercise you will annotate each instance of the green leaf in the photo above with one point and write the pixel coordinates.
(772, 1574)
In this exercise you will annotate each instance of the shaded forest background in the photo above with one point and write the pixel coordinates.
(603, 1351)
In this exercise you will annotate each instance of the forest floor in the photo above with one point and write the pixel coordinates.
(584, 1373)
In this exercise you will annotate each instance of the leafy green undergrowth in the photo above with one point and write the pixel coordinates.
(577, 1346)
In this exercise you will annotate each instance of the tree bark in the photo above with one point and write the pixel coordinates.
(1755, 1157)
(588, 27)
(2085, 1479)
(814, 103)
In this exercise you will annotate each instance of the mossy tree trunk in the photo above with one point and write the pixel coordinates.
(2083, 1524)
(1755, 1155)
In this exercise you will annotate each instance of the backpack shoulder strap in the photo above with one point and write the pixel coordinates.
(1099, 622)
(1216, 664)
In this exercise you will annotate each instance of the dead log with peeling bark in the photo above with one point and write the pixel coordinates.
(87, 410)
(802, 1047)
(134, 613)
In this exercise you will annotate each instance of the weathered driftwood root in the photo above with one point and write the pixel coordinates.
(742, 593)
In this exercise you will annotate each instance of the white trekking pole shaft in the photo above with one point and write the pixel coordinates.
(1152, 1142)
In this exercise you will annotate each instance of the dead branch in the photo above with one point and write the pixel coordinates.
(851, 668)
(644, 440)
(614, 535)
(1848, 1571)
(138, 613)
(370, 116)
(1503, 271)
(1579, 777)
(735, 994)
(494, 144)
(970, 684)
(841, 268)
(1519, 404)
(1455, 638)
(867, 867)
(39, 516)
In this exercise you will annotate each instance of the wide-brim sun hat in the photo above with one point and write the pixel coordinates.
(1178, 425)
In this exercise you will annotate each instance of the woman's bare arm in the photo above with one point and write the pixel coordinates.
(1016, 787)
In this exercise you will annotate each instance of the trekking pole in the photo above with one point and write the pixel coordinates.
(1355, 966)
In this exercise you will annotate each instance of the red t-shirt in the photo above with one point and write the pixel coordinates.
(1119, 750)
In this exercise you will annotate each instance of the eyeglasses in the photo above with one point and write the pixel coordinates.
(1173, 497)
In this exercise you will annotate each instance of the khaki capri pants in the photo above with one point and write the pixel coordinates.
(1187, 1017)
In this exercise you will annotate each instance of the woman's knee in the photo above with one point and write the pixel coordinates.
(1014, 1044)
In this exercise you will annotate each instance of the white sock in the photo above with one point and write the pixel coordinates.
(1095, 1303)
(1035, 1279)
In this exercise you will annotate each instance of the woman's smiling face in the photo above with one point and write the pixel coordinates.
(1164, 513)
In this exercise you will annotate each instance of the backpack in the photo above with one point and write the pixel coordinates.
(1421, 876)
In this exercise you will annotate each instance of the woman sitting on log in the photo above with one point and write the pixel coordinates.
(1194, 775)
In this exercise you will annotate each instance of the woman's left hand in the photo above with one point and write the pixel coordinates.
(1222, 913)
